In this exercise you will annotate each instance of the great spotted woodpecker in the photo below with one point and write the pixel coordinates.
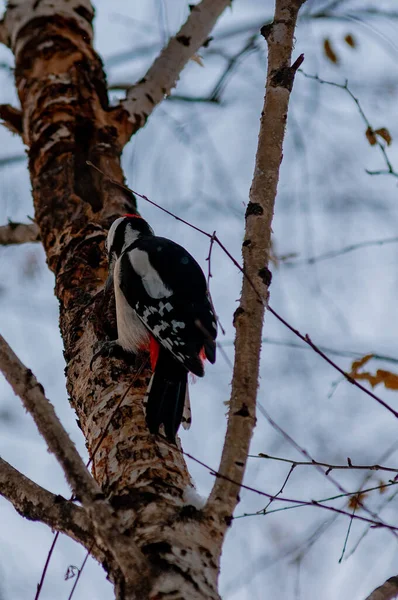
(163, 305)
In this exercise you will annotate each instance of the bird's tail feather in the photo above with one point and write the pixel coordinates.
(165, 396)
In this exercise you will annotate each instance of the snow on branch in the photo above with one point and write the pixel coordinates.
(164, 73)
(25, 385)
(248, 318)
(387, 591)
(37, 504)
(18, 233)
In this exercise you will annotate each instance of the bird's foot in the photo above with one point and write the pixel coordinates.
(106, 349)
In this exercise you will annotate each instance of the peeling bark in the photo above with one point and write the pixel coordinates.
(66, 120)
(144, 523)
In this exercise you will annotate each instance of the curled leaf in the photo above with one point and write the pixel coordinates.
(370, 135)
(357, 364)
(385, 134)
(329, 51)
(355, 501)
(383, 487)
(350, 40)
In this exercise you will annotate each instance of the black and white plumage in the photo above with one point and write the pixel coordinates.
(162, 304)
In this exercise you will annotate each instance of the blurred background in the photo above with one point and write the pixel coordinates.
(335, 277)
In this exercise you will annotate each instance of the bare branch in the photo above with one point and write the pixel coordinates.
(164, 73)
(387, 591)
(25, 385)
(3, 34)
(18, 233)
(370, 131)
(37, 504)
(249, 316)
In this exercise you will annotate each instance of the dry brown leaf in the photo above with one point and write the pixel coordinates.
(357, 364)
(370, 134)
(387, 378)
(355, 501)
(329, 51)
(385, 134)
(350, 40)
(383, 486)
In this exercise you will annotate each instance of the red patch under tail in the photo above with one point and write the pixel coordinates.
(153, 352)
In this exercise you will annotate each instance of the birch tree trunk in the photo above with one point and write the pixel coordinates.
(66, 121)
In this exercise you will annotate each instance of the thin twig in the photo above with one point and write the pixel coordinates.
(294, 501)
(318, 467)
(328, 466)
(376, 488)
(79, 572)
(390, 170)
(333, 253)
(327, 349)
(304, 338)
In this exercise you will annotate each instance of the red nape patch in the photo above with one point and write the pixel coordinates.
(132, 216)
(153, 352)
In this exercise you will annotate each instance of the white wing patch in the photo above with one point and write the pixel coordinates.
(153, 284)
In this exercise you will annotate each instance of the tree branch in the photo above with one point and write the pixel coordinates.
(12, 118)
(25, 385)
(37, 504)
(164, 73)
(248, 318)
(18, 233)
(387, 591)
(3, 34)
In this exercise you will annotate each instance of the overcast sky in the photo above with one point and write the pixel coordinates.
(196, 159)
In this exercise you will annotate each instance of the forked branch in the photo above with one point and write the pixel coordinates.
(164, 73)
(38, 504)
(129, 558)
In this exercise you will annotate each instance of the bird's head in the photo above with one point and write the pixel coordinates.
(123, 232)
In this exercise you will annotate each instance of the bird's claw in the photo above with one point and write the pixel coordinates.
(106, 349)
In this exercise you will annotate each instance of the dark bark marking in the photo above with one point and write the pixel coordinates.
(266, 275)
(183, 39)
(253, 208)
(266, 30)
(242, 412)
(83, 12)
(239, 311)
